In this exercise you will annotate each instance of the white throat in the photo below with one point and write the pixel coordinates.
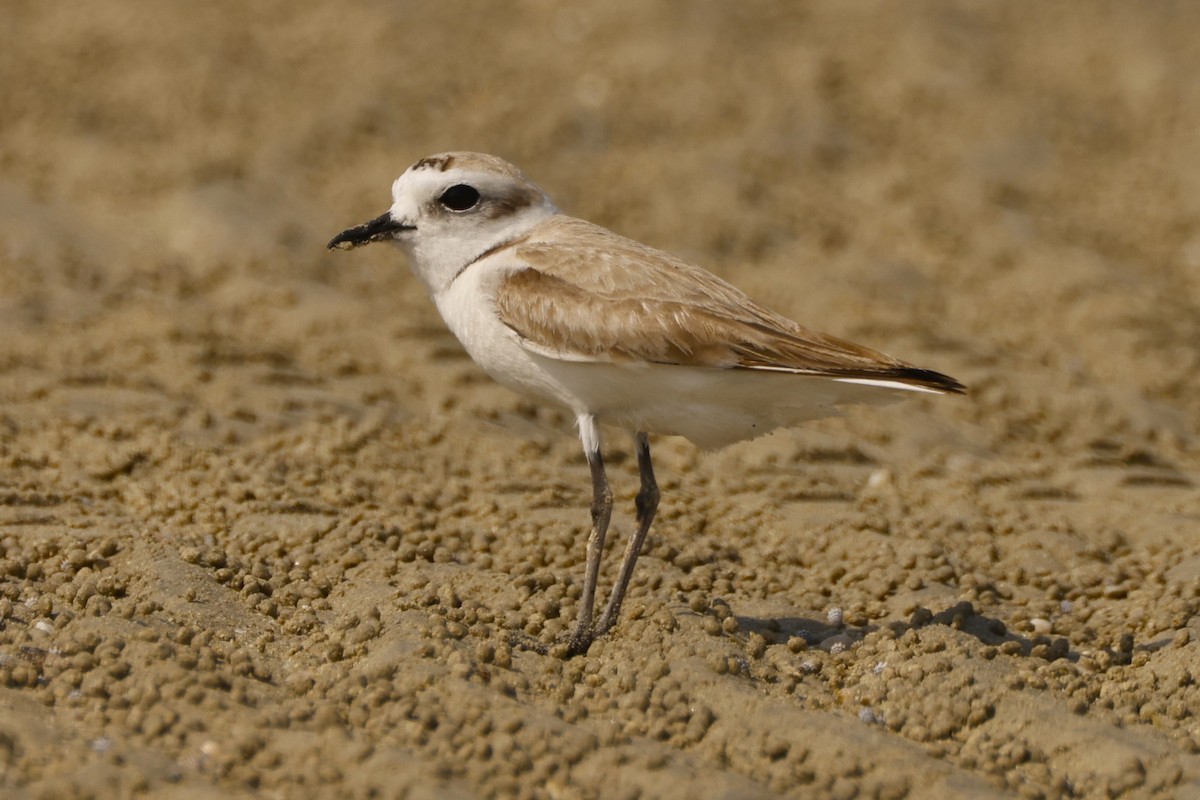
(438, 253)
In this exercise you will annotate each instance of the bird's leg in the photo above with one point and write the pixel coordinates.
(602, 502)
(647, 504)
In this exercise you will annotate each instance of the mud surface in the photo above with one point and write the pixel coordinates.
(265, 531)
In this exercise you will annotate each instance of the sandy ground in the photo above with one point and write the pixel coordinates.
(265, 531)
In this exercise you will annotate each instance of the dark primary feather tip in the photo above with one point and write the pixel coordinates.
(930, 380)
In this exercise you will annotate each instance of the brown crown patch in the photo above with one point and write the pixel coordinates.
(439, 163)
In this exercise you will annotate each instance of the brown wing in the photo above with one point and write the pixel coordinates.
(601, 297)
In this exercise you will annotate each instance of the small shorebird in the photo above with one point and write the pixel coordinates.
(570, 313)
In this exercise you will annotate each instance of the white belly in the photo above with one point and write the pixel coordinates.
(710, 407)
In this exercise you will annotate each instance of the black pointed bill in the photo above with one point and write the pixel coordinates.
(378, 229)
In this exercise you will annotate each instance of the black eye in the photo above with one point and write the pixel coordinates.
(459, 197)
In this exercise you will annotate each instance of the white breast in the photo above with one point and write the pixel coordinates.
(468, 309)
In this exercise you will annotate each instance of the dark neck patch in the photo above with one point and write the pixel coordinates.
(491, 250)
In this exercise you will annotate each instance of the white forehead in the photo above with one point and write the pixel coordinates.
(433, 174)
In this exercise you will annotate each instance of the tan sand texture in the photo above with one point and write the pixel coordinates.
(266, 532)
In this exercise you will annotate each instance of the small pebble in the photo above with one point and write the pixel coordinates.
(756, 645)
(878, 478)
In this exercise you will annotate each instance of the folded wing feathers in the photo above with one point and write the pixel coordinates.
(674, 314)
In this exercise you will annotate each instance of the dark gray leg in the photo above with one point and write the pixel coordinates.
(647, 504)
(602, 502)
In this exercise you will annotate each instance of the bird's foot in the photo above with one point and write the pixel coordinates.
(576, 645)
(606, 623)
(523, 641)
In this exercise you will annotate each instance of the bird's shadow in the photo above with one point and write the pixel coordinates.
(827, 635)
